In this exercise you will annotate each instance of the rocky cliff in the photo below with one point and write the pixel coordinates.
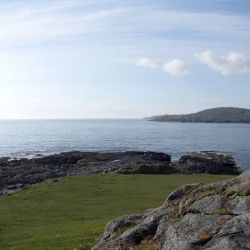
(193, 217)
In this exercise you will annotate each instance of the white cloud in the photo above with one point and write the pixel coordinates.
(233, 63)
(147, 63)
(176, 67)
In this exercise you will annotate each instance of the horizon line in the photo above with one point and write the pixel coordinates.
(30, 119)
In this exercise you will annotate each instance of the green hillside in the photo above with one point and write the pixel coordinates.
(61, 215)
(215, 115)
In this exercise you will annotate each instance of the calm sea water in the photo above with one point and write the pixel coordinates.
(29, 138)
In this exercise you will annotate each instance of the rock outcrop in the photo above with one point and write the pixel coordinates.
(194, 217)
(16, 175)
(206, 162)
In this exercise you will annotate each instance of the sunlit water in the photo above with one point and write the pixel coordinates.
(30, 138)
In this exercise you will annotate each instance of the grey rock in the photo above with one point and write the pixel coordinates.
(18, 174)
(206, 162)
(183, 190)
(240, 205)
(194, 217)
(209, 204)
(123, 222)
(193, 230)
(234, 235)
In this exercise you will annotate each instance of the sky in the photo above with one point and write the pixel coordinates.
(122, 59)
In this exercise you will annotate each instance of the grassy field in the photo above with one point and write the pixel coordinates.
(74, 210)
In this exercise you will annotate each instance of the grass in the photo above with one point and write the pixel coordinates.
(75, 210)
(223, 211)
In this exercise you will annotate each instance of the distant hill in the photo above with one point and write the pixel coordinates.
(215, 115)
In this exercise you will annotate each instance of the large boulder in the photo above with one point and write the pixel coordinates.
(200, 217)
(206, 162)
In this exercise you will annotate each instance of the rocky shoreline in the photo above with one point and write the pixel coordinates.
(16, 175)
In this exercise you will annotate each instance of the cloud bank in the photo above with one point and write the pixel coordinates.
(233, 63)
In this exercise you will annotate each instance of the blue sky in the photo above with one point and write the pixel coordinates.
(122, 59)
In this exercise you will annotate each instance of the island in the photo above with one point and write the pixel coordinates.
(214, 115)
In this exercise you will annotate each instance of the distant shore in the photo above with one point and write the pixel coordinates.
(215, 115)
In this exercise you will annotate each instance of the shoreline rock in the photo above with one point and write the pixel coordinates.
(206, 162)
(18, 174)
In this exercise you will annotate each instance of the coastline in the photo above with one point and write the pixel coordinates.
(19, 174)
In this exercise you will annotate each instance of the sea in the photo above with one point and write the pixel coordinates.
(34, 138)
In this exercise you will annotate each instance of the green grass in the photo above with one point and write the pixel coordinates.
(222, 211)
(74, 210)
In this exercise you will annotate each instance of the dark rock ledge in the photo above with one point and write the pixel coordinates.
(19, 174)
(194, 217)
